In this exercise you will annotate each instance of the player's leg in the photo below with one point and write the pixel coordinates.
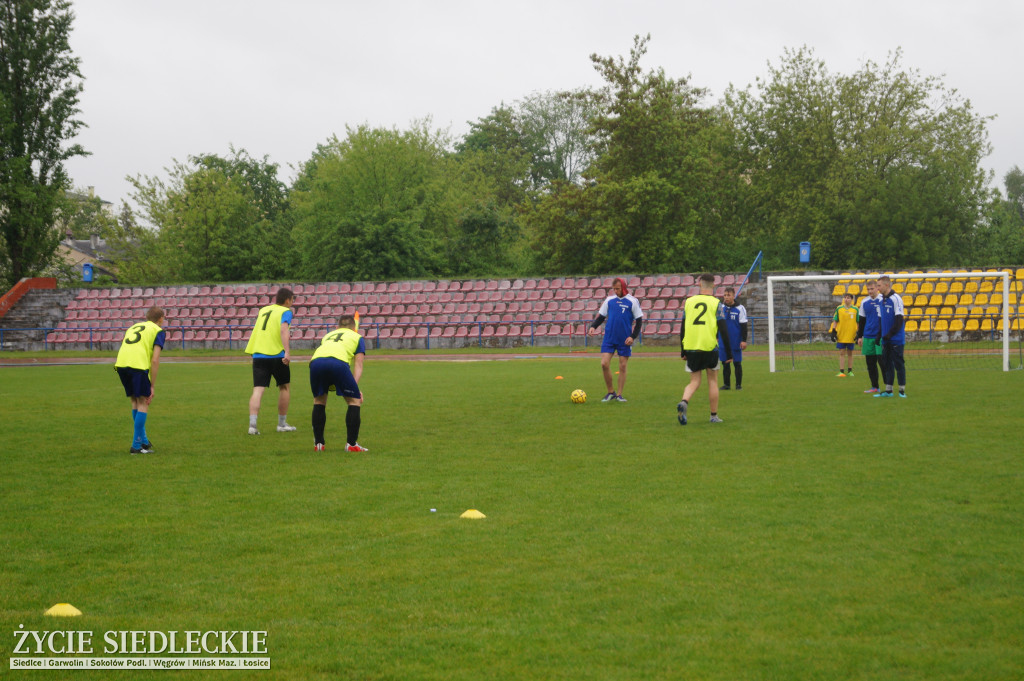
(283, 377)
(606, 369)
(261, 373)
(349, 389)
(900, 369)
(713, 394)
(841, 374)
(738, 366)
(623, 361)
(319, 385)
(849, 360)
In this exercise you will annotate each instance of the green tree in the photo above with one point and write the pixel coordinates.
(376, 205)
(881, 168)
(40, 84)
(651, 197)
(215, 219)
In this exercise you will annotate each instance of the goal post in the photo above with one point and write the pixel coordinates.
(953, 319)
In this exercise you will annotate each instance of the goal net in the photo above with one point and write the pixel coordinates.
(954, 320)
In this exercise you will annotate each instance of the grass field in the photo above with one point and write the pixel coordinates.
(817, 534)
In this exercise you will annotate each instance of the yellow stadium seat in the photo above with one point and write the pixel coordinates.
(966, 299)
(971, 325)
(838, 289)
(942, 286)
(956, 325)
(950, 299)
(946, 312)
(986, 287)
(915, 312)
(912, 287)
(993, 310)
(925, 325)
(972, 287)
(921, 300)
(853, 288)
(984, 299)
(935, 300)
(911, 325)
(1012, 299)
(986, 324)
(927, 287)
(956, 287)
(931, 312)
(942, 325)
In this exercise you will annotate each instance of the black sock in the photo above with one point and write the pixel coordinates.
(739, 373)
(319, 422)
(352, 421)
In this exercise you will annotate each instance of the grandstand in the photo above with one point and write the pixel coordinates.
(397, 314)
(462, 313)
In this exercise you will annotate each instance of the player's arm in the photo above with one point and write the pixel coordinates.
(357, 366)
(598, 321)
(154, 368)
(638, 324)
(861, 320)
(682, 337)
(286, 341)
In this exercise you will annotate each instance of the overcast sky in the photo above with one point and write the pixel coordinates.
(165, 79)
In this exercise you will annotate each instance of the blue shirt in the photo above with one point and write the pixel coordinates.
(890, 308)
(869, 311)
(619, 315)
(735, 317)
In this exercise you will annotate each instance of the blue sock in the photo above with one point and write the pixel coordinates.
(140, 430)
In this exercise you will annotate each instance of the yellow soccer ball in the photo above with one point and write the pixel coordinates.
(578, 396)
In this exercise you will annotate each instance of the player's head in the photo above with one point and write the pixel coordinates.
(847, 299)
(707, 283)
(871, 287)
(619, 286)
(156, 315)
(347, 321)
(284, 297)
(884, 284)
(729, 295)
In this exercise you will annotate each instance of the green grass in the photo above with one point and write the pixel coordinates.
(817, 534)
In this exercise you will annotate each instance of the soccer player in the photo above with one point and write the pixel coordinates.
(890, 315)
(623, 319)
(271, 356)
(137, 364)
(869, 333)
(844, 334)
(703, 315)
(736, 326)
(338, 364)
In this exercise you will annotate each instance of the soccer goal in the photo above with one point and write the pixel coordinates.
(954, 320)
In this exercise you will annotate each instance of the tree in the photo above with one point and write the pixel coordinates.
(40, 84)
(650, 198)
(376, 205)
(216, 219)
(881, 168)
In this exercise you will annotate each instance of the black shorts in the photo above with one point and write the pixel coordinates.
(135, 381)
(265, 367)
(699, 360)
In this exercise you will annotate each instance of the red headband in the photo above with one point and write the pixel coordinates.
(625, 290)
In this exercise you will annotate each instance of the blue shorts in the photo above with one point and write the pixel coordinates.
(845, 346)
(135, 381)
(737, 354)
(328, 373)
(611, 348)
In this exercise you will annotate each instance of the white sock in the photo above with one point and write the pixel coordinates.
(252, 420)
(281, 420)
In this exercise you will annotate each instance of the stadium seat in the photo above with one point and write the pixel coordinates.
(924, 325)
(957, 287)
(965, 299)
(839, 289)
(911, 325)
(971, 325)
(927, 287)
(956, 325)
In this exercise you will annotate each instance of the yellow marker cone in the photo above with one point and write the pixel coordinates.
(63, 610)
(473, 514)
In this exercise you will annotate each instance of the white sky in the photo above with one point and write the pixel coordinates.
(168, 79)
